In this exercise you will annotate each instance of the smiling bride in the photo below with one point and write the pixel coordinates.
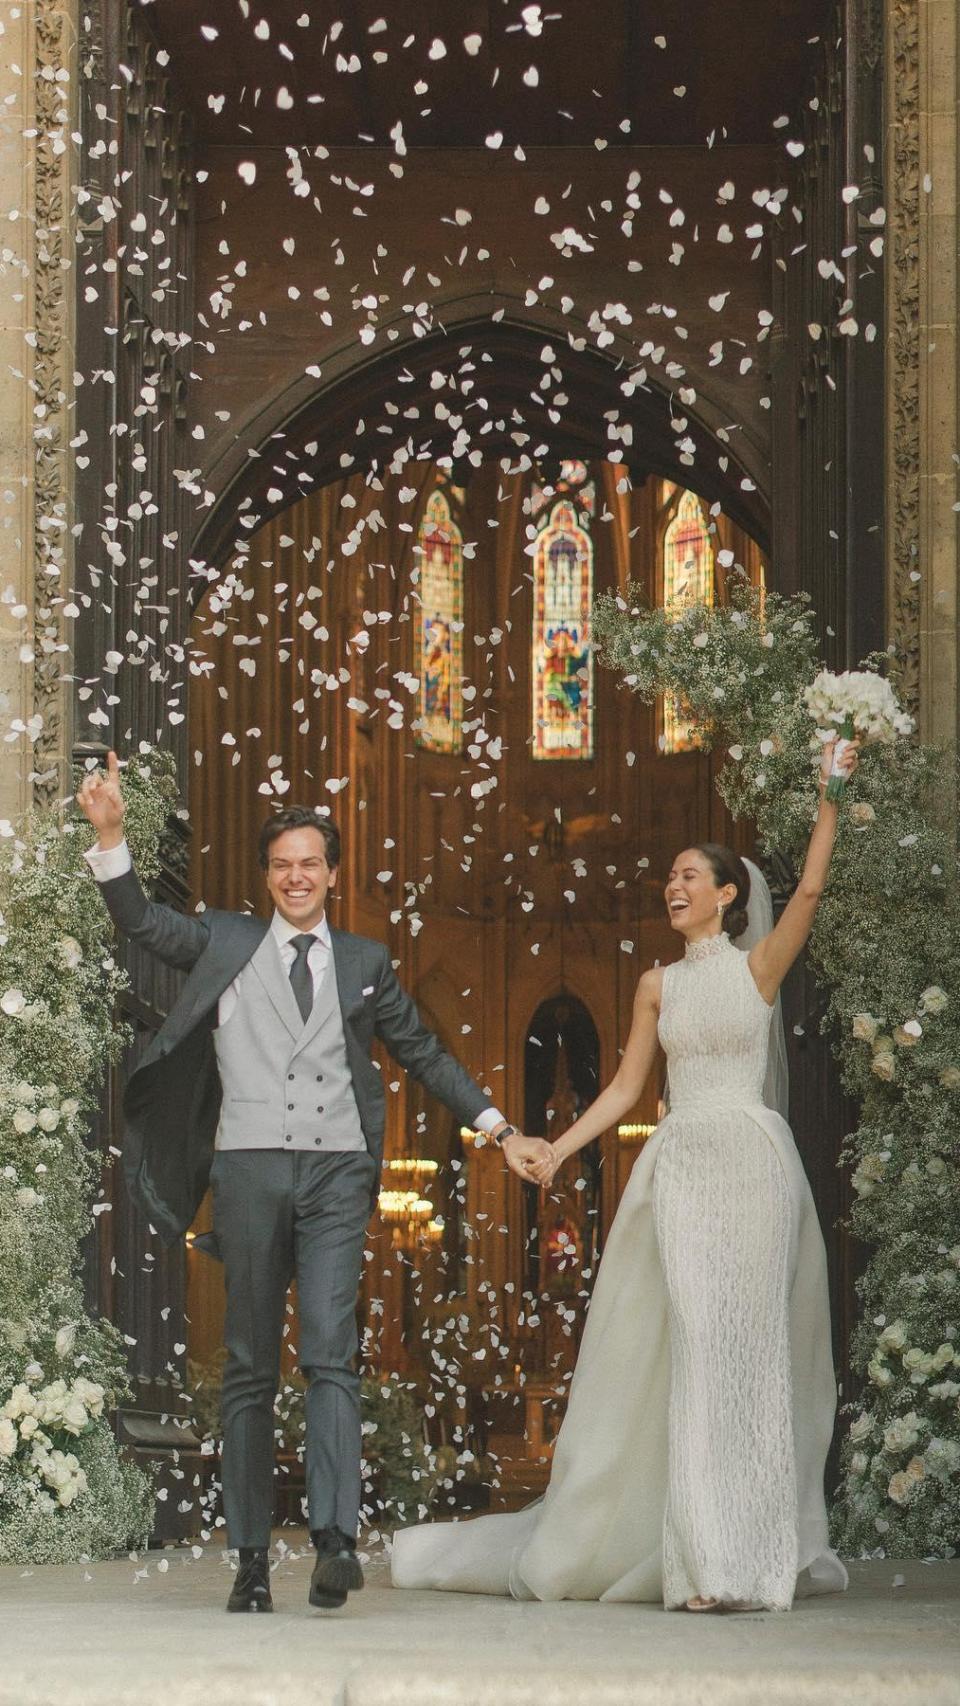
(689, 1468)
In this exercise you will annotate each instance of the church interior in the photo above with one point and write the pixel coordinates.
(441, 324)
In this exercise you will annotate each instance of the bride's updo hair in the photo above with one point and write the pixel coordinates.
(728, 867)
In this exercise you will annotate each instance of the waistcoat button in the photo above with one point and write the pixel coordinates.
(289, 1138)
(319, 1077)
(319, 1111)
(318, 1140)
(289, 1107)
(290, 1077)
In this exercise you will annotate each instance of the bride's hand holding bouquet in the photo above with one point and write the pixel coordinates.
(858, 708)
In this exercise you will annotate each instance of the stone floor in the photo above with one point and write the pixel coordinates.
(153, 1632)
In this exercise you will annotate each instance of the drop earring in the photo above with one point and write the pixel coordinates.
(720, 909)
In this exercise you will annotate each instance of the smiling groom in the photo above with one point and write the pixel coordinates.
(260, 1082)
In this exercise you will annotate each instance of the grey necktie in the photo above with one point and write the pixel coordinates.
(301, 978)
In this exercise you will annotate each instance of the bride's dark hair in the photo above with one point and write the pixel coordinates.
(728, 867)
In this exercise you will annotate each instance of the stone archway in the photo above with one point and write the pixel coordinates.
(307, 435)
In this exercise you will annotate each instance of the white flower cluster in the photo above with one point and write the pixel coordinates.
(861, 700)
(32, 1108)
(30, 1421)
(866, 1028)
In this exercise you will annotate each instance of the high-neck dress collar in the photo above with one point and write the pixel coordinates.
(707, 947)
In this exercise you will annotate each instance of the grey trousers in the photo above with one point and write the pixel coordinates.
(280, 1214)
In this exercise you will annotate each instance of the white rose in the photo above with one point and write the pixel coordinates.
(75, 1416)
(893, 1338)
(9, 1438)
(942, 1457)
(908, 1035)
(24, 1121)
(48, 1119)
(27, 1197)
(900, 1486)
(879, 1374)
(864, 1027)
(902, 1433)
(12, 1002)
(70, 1107)
(861, 1428)
(28, 1426)
(950, 1078)
(861, 813)
(71, 953)
(23, 1092)
(934, 999)
(884, 1066)
(859, 1463)
(91, 1394)
(65, 1340)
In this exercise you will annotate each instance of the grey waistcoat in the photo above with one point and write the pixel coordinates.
(286, 1084)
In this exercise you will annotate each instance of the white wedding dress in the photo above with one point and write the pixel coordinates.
(691, 1457)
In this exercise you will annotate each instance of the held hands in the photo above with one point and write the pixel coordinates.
(531, 1158)
(101, 801)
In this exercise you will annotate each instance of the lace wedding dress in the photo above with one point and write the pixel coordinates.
(691, 1457)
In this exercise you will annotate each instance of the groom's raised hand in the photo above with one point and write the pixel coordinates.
(101, 801)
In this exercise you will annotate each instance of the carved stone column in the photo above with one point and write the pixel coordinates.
(922, 394)
(37, 119)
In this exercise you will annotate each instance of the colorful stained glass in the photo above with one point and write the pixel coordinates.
(441, 628)
(688, 578)
(562, 661)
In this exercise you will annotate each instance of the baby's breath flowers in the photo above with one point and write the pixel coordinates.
(65, 1491)
(887, 949)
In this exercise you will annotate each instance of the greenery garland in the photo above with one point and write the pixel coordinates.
(886, 947)
(65, 1491)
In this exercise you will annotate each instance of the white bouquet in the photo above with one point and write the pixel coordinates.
(856, 704)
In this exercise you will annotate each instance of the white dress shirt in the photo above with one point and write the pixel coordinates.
(107, 863)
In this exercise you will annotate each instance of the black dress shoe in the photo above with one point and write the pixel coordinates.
(336, 1571)
(251, 1587)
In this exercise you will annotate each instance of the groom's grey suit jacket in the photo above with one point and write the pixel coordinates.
(173, 1096)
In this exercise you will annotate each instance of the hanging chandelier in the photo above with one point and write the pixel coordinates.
(404, 1205)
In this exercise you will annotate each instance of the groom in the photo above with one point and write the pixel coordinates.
(260, 1082)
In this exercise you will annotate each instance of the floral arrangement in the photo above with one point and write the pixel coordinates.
(36, 1429)
(65, 1491)
(857, 703)
(886, 947)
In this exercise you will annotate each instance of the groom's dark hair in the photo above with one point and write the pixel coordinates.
(300, 817)
(728, 867)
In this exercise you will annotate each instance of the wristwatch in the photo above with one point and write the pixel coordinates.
(505, 1131)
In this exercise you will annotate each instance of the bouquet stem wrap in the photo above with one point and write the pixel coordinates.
(837, 784)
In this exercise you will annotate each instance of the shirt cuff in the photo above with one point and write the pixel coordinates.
(109, 862)
(488, 1119)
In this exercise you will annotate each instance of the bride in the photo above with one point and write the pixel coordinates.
(689, 1467)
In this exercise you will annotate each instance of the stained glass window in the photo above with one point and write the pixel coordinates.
(688, 578)
(441, 628)
(562, 661)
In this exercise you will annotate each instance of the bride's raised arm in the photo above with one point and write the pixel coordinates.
(772, 958)
(626, 1085)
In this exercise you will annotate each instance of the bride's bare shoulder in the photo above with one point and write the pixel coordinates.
(650, 988)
